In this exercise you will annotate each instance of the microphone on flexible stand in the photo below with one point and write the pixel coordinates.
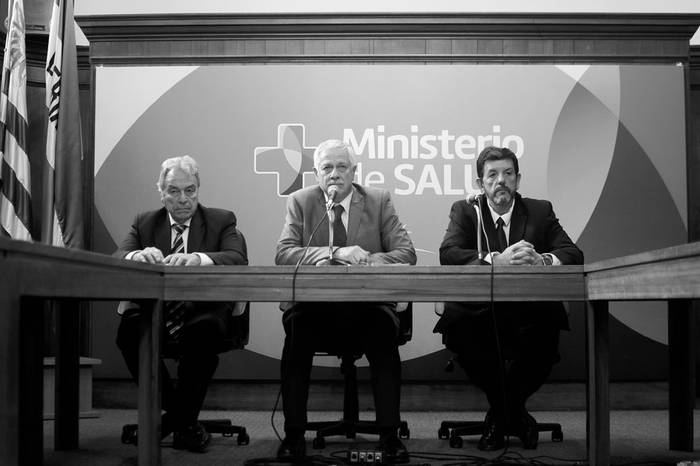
(475, 200)
(332, 193)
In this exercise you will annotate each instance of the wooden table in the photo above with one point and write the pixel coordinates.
(32, 273)
(670, 274)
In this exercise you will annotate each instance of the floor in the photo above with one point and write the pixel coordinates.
(638, 436)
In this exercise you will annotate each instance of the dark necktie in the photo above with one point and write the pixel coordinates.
(175, 310)
(340, 236)
(501, 235)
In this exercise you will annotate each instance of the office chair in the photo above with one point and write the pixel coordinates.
(454, 430)
(350, 424)
(238, 338)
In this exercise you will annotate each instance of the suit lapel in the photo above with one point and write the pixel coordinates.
(517, 222)
(197, 232)
(163, 238)
(357, 207)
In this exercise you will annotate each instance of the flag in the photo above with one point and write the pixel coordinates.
(15, 186)
(62, 218)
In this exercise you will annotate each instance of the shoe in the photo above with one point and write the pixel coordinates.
(292, 448)
(526, 430)
(492, 438)
(130, 432)
(194, 438)
(393, 449)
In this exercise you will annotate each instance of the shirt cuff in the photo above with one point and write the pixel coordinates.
(489, 257)
(131, 254)
(555, 260)
(205, 260)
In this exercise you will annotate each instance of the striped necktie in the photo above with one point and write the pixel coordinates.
(178, 244)
(175, 310)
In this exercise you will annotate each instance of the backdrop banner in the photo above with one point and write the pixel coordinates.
(605, 143)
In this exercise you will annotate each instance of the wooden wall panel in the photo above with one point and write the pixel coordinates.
(192, 39)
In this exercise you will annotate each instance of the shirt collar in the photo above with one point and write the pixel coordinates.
(173, 222)
(506, 217)
(345, 202)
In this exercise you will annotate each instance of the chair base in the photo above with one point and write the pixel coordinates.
(213, 426)
(455, 430)
(349, 429)
(226, 429)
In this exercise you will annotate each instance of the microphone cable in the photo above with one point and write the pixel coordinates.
(306, 249)
(294, 280)
(494, 322)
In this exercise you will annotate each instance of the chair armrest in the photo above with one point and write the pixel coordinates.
(239, 308)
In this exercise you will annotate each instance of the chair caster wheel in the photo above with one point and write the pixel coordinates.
(557, 435)
(443, 433)
(243, 438)
(130, 434)
(456, 441)
(319, 443)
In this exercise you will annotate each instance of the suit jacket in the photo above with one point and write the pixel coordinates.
(212, 231)
(534, 221)
(372, 224)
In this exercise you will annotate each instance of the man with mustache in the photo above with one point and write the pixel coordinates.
(507, 351)
(366, 230)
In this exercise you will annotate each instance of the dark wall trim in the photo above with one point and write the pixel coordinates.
(693, 160)
(695, 66)
(191, 39)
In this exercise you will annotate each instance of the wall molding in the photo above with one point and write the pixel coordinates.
(213, 38)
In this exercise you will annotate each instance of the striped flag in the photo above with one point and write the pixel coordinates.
(15, 187)
(62, 219)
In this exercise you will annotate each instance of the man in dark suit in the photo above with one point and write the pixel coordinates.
(519, 231)
(183, 233)
(365, 231)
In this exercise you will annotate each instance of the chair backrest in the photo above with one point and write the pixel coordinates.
(405, 315)
(240, 325)
(405, 322)
(238, 332)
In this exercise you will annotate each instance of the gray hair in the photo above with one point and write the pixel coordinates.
(185, 163)
(329, 144)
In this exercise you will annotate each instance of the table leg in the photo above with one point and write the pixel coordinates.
(67, 396)
(31, 381)
(9, 365)
(598, 383)
(149, 384)
(681, 387)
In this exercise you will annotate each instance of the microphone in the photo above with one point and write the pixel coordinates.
(332, 193)
(474, 197)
